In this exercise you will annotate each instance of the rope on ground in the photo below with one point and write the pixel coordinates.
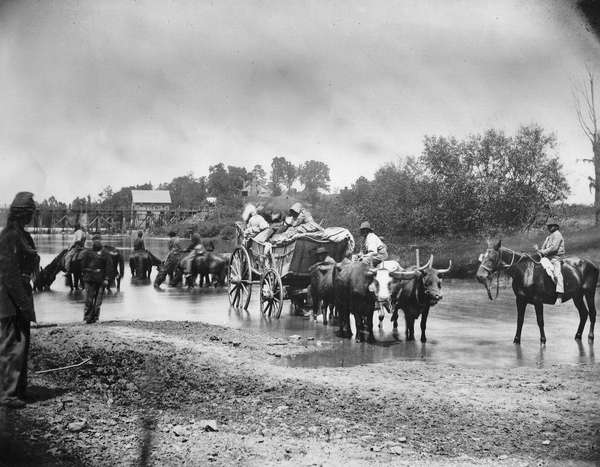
(64, 367)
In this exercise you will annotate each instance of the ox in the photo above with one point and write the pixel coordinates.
(321, 290)
(351, 285)
(413, 291)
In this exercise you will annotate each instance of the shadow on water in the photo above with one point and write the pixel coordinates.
(465, 329)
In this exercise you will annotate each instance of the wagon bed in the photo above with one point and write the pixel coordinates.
(281, 268)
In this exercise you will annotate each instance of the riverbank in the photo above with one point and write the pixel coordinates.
(464, 252)
(168, 385)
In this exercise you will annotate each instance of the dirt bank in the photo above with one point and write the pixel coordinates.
(166, 385)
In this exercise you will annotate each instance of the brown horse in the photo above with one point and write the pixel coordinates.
(531, 285)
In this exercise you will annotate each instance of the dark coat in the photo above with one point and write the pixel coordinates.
(18, 260)
(138, 244)
(97, 266)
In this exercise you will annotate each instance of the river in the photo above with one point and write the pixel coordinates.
(464, 329)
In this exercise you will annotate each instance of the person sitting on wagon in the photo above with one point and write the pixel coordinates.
(195, 248)
(553, 250)
(373, 250)
(257, 227)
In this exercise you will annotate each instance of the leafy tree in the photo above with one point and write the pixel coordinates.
(218, 180)
(187, 192)
(238, 176)
(283, 172)
(314, 175)
(494, 180)
(259, 174)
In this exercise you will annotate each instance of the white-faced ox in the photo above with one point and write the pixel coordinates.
(413, 291)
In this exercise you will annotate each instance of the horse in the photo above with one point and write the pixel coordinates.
(532, 285)
(211, 268)
(46, 276)
(141, 262)
(74, 279)
(168, 268)
(118, 263)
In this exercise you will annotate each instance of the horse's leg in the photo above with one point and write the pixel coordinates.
(521, 305)
(583, 314)
(589, 298)
(539, 314)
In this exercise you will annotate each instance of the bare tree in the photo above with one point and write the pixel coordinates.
(588, 120)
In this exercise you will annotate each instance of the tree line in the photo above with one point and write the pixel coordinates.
(223, 182)
(484, 182)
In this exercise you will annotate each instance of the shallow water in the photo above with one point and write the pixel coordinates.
(464, 329)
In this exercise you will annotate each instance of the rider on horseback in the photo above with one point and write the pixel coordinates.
(77, 244)
(553, 250)
(138, 243)
(196, 248)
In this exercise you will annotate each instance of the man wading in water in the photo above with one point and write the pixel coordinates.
(18, 260)
(97, 265)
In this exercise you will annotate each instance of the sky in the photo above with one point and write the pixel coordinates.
(124, 92)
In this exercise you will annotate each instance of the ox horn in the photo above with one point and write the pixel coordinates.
(444, 271)
(427, 264)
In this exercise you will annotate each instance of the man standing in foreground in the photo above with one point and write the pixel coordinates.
(18, 260)
(97, 266)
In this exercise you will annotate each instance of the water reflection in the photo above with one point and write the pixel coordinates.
(464, 329)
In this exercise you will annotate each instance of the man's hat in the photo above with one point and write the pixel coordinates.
(552, 221)
(321, 251)
(366, 226)
(23, 202)
(296, 207)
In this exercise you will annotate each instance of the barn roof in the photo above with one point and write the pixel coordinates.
(151, 196)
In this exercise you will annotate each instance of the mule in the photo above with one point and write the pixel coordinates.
(532, 285)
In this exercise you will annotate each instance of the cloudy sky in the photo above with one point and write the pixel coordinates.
(122, 92)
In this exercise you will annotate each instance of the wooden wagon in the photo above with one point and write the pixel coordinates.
(281, 269)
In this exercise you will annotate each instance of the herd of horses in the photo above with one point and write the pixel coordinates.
(208, 269)
(530, 283)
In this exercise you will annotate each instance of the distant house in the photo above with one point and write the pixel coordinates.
(255, 189)
(149, 204)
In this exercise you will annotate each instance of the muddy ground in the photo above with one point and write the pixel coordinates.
(154, 392)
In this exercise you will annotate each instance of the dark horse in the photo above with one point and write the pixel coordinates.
(47, 275)
(210, 268)
(141, 262)
(168, 268)
(532, 285)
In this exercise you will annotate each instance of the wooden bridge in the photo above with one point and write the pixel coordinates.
(47, 220)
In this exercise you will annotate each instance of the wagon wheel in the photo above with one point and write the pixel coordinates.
(271, 293)
(240, 279)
